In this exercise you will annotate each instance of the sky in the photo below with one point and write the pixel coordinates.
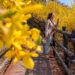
(66, 2)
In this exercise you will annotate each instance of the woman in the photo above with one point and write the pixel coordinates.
(50, 26)
(49, 31)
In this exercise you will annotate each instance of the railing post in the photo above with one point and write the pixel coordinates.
(65, 43)
(53, 42)
(73, 37)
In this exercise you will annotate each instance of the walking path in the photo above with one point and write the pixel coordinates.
(17, 69)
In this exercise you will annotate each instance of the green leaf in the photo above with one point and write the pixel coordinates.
(9, 13)
(38, 42)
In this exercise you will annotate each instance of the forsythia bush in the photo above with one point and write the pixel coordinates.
(23, 42)
(64, 13)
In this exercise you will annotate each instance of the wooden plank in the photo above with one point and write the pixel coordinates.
(15, 69)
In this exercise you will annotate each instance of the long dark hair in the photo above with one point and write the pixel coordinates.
(50, 15)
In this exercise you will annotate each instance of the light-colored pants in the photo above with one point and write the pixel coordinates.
(46, 47)
(48, 41)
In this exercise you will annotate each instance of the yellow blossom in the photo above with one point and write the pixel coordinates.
(35, 34)
(33, 54)
(9, 55)
(15, 60)
(15, 32)
(17, 45)
(28, 62)
(38, 48)
(30, 44)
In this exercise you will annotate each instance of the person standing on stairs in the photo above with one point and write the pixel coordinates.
(49, 30)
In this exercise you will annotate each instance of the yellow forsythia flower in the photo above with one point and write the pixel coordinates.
(15, 33)
(33, 54)
(1, 44)
(30, 44)
(21, 54)
(38, 48)
(26, 27)
(32, 8)
(27, 16)
(28, 62)
(17, 45)
(15, 60)
(9, 54)
(8, 25)
(35, 34)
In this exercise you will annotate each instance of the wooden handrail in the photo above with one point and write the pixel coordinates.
(65, 33)
(69, 72)
(69, 53)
